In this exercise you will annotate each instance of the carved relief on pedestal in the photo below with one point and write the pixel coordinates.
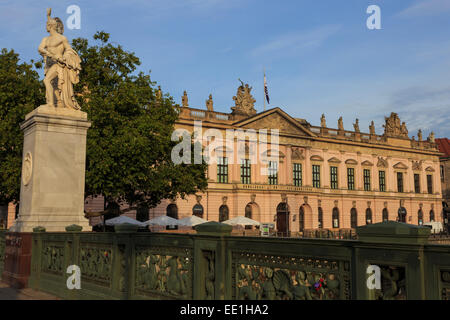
(27, 169)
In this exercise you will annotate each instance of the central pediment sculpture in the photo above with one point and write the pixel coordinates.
(393, 127)
(244, 101)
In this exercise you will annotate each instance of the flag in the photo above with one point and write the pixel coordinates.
(266, 91)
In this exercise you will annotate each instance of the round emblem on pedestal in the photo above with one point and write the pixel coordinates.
(27, 169)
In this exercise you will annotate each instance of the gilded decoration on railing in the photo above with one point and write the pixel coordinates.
(258, 276)
(393, 284)
(164, 275)
(96, 264)
(53, 259)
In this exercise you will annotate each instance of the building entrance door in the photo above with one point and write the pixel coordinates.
(283, 219)
(402, 215)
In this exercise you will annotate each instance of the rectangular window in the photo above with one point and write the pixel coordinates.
(442, 173)
(316, 176)
(273, 172)
(334, 177)
(430, 183)
(417, 183)
(351, 178)
(399, 181)
(246, 171)
(366, 175)
(222, 170)
(382, 180)
(297, 174)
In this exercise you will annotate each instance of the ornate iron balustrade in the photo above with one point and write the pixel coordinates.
(213, 264)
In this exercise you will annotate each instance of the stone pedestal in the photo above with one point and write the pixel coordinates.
(17, 263)
(53, 170)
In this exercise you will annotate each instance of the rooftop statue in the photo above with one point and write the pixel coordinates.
(393, 128)
(184, 100)
(210, 103)
(419, 135)
(323, 122)
(340, 124)
(244, 101)
(372, 128)
(356, 125)
(62, 66)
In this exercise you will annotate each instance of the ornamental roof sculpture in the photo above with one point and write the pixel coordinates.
(394, 128)
(244, 101)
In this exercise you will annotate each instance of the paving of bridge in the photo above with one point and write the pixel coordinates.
(9, 293)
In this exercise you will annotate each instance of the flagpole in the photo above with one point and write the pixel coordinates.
(264, 89)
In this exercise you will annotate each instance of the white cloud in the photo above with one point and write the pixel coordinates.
(296, 42)
(426, 8)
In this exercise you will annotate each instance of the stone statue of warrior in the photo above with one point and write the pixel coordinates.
(62, 66)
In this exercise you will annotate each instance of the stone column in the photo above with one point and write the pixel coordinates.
(308, 168)
(288, 163)
(53, 170)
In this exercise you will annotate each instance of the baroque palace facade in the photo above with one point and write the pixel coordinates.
(325, 178)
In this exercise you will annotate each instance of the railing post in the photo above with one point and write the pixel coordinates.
(36, 257)
(212, 262)
(397, 251)
(123, 261)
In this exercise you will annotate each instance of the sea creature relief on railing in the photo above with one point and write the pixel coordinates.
(289, 278)
(167, 274)
(96, 264)
(53, 259)
(393, 284)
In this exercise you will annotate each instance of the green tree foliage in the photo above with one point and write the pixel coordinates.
(129, 144)
(20, 92)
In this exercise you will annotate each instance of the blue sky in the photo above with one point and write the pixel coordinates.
(319, 55)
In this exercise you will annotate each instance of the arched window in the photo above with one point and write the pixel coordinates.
(248, 211)
(223, 213)
(320, 218)
(420, 217)
(385, 215)
(368, 216)
(197, 210)
(431, 215)
(335, 217)
(301, 219)
(353, 218)
(172, 211)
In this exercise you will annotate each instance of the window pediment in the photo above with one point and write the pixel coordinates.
(429, 169)
(367, 163)
(351, 161)
(316, 158)
(400, 165)
(334, 160)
